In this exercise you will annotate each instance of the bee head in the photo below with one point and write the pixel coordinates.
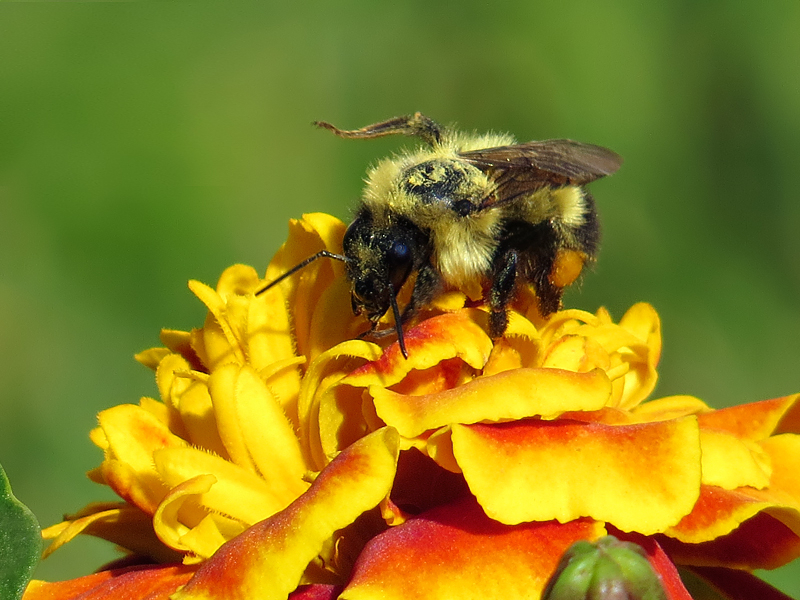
(379, 261)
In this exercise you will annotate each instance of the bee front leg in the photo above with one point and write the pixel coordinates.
(502, 291)
(427, 285)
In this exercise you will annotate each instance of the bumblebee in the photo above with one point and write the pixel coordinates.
(469, 210)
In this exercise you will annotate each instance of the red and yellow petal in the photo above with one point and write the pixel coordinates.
(642, 477)
(755, 421)
(141, 583)
(456, 551)
(434, 341)
(267, 560)
(760, 529)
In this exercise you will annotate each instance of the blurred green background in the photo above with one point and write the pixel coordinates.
(142, 145)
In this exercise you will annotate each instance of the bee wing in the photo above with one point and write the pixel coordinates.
(524, 168)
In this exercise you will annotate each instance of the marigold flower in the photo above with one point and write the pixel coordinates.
(288, 458)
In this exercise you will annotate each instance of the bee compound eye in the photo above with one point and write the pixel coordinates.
(399, 252)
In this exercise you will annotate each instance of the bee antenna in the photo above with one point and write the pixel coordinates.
(398, 323)
(300, 265)
(418, 125)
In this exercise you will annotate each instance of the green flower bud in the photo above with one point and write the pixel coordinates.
(606, 570)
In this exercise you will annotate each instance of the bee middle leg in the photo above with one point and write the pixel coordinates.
(502, 291)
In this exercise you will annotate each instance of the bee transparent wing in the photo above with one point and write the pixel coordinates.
(564, 161)
(525, 168)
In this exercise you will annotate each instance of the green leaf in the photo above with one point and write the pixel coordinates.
(20, 543)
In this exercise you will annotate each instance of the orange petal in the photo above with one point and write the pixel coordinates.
(267, 560)
(456, 551)
(642, 477)
(508, 395)
(141, 583)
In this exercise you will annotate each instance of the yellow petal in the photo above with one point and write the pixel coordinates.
(730, 462)
(327, 370)
(199, 419)
(133, 434)
(302, 290)
(508, 395)
(254, 429)
(219, 340)
(181, 522)
(671, 407)
(151, 357)
(237, 493)
(119, 523)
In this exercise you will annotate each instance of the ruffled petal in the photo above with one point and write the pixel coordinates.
(267, 560)
(302, 291)
(456, 551)
(141, 583)
(719, 511)
(117, 522)
(514, 394)
(132, 435)
(255, 430)
(642, 477)
(755, 421)
(435, 340)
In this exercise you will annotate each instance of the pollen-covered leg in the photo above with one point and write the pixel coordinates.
(427, 285)
(501, 292)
